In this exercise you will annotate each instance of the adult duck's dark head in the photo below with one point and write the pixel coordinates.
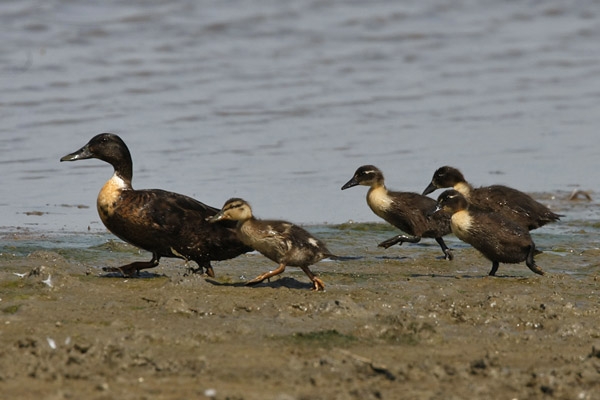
(444, 177)
(106, 147)
(367, 175)
(451, 201)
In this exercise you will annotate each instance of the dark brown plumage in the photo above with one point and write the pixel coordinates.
(164, 223)
(406, 211)
(511, 203)
(499, 239)
(280, 241)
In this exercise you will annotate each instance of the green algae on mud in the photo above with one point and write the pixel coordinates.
(328, 339)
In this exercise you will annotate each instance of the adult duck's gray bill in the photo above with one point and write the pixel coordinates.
(217, 217)
(81, 154)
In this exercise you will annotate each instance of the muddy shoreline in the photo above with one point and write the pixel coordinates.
(411, 326)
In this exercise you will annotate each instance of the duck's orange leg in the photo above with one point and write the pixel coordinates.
(317, 283)
(267, 275)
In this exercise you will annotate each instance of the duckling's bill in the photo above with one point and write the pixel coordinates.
(429, 189)
(351, 183)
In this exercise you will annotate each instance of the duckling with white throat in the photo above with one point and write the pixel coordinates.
(280, 241)
(164, 223)
(499, 239)
(405, 210)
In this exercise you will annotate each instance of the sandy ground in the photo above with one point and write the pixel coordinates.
(385, 328)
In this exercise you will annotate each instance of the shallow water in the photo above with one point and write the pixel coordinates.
(280, 102)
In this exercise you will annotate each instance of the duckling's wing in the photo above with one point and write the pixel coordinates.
(515, 204)
(499, 238)
(285, 236)
(413, 214)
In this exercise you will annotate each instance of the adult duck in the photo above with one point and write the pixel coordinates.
(512, 203)
(499, 239)
(405, 210)
(280, 241)
(164, 223)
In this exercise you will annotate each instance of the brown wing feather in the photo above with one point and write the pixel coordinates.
(513, 204)
(498, 238)
(171, 224)
(410, 213)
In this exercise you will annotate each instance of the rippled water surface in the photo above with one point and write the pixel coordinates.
(279, 102)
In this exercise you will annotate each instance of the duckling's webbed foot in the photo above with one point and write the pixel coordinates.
(399, 239)
(266, 275)
(317, 283)
(447, 251)
(133, 269)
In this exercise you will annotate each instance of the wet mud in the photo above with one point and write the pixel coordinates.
(395, 323)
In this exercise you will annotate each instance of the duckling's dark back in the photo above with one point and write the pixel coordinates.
(513, 204)
(283, 242)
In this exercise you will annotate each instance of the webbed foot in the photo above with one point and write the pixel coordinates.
(318, 284)
(133, 269)
(399, 239)
(448, 255)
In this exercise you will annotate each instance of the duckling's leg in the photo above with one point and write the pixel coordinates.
(495, 265)
(399, 239)
(447, 251)
(531, 262)
(317, 283)
(267, 275)
(134, 268)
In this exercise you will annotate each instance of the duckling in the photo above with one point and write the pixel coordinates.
(406, 211)
(280, 241)
(499, 239)
(164, 223)
(512, 203)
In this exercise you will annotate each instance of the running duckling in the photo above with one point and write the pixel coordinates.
(164, 223)
(406, 211)
(498, 238)
(279, 241)
(512, 203)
